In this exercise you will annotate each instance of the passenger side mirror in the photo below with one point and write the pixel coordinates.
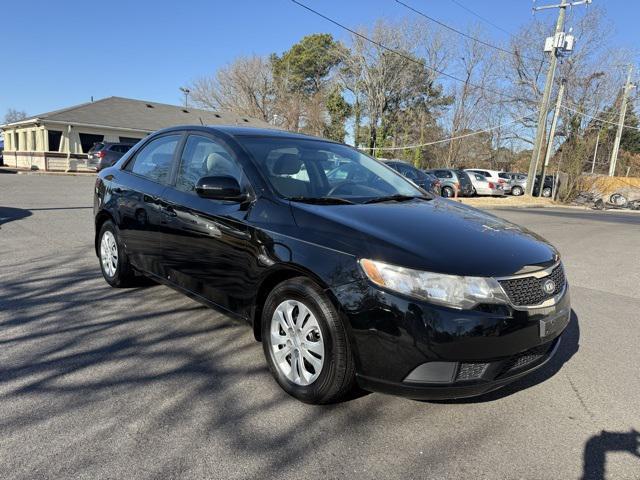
(220, 188)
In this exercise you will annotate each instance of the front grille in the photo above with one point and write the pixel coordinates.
(524, 359)
(470, 371)
(529, 290)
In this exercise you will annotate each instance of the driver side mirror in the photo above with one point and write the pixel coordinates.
(220, 188)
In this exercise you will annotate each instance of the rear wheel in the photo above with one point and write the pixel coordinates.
(517, 191)
(113, 261)
(546, 192)
(306, 344)
(447, 192)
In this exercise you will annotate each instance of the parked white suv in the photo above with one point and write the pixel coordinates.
(493, 176)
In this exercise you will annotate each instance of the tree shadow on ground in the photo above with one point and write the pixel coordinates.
(98, 362)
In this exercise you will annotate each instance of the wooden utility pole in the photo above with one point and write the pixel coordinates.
(557, 47)
(552, 134)
(595, 152)
(623, 110)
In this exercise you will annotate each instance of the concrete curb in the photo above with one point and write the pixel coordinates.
(18, 171)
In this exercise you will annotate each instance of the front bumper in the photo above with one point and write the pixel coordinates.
(423, 351)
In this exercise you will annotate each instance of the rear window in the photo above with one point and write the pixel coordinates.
(443, 173)
(96, 147)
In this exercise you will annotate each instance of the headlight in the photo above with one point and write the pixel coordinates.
(449, 290)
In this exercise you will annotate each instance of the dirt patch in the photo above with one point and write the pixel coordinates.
(507, 201)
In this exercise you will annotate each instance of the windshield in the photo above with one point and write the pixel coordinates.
(301, 169)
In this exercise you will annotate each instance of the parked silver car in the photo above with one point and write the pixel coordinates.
(483, 186)
(517, 182)
(493, 176)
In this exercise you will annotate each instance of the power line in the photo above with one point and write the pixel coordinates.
(466, 35)
(597, 118)
(478, 132)
(403, 55)
(464, 7)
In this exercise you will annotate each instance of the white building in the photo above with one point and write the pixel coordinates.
(60, 140)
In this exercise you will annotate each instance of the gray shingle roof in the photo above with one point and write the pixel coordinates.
(121, 112)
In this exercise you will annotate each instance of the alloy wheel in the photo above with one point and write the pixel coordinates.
(109, 253)
(297, 346)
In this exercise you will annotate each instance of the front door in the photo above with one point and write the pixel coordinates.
(209, 251)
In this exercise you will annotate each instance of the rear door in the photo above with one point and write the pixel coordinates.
(139, 191)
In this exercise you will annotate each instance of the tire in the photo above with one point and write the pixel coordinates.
(116, 270)
(517, 191)
(546, 192)
(618, 200)
(322, 330)
(447, 192)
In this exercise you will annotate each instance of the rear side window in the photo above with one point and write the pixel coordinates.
(155, 158)
(506, 176)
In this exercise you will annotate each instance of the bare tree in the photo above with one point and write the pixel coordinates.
(387, 84)
(13, 115)
(245, 86)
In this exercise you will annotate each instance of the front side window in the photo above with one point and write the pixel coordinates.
(313, 169)
(154, 160)
(203, 157)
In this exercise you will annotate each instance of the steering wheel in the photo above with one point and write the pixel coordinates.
(339, 186)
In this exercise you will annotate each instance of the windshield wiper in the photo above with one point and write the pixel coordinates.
(322, 200)
(396, 198)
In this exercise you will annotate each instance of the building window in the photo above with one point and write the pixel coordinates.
(54, 140)
(88, 139)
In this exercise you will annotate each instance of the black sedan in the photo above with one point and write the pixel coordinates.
(347, 272)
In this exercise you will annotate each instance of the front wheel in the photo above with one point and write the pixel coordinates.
(113, 261)
(546, 192)
(517, 191)
(306, 344)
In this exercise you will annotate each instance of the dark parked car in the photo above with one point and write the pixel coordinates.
(105, 154)
(453, 180)
(360, 278)
(424, 180)
(547, 187)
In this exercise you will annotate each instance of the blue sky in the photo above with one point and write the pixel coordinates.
(58, 54)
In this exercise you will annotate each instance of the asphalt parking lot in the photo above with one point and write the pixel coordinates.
(146, 383)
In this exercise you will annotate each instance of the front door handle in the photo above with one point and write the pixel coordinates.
(169, 211)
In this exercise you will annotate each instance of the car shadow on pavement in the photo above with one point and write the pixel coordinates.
(597, 447)
(568, 347)
(10, 214)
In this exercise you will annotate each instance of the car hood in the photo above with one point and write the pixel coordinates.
(437, 235)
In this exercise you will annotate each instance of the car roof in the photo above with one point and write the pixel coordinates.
(241, 131)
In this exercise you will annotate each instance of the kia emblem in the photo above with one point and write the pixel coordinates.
(549, 286)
